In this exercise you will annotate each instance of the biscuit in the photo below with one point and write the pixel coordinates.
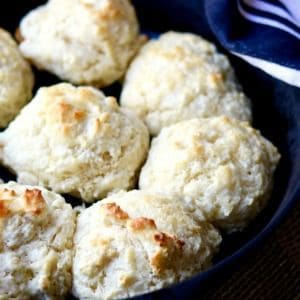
(181, 76)
(16, 79)
(219, 165)
(136, 242)
(75, 141)
(82, 41)
(36, 243)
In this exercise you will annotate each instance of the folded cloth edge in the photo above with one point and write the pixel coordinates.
(288, 75)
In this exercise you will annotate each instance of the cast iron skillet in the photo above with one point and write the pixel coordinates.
(276, 110)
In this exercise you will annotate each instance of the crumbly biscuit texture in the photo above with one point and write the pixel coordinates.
(76, 141)
(219, 165)
(181, 76)
(136, 242)
(16, 79)
(36, 243)
(82, 41)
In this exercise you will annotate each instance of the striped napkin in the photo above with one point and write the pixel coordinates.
(265, 33)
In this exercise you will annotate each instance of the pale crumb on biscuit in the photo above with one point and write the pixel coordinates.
(126, 280)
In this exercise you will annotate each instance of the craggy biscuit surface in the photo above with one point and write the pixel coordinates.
(181, 76)
(36, 243)
(220, 165)
(76, 141)
(136, 242)
(82, 41)
(16, 79)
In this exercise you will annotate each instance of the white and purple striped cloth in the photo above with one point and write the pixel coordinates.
(265, 33)
(281, 14)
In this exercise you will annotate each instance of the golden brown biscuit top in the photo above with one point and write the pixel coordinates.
(167, 246)
(31, 201)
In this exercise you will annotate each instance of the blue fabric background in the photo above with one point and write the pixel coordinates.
(239, 35)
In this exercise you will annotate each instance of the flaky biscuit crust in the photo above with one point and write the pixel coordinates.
(36, 243)
(136, 242)
(181, 76)
(220, 165)
(76, 141)
(16, 79)
(87, 42)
